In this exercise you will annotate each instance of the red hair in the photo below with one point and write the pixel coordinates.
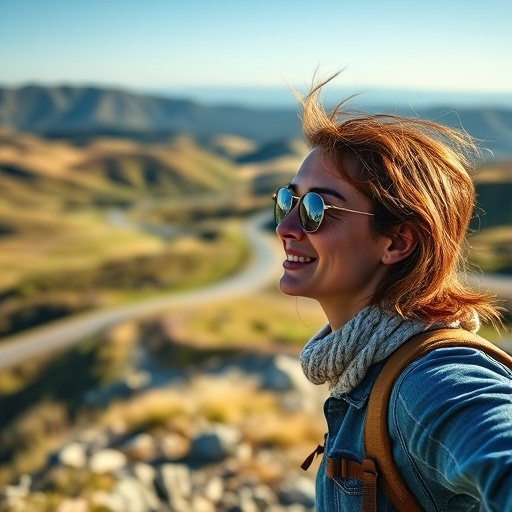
(416, 172)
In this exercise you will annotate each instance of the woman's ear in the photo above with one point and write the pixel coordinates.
(401, 244)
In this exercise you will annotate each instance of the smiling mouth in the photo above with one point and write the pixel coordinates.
(298, 259)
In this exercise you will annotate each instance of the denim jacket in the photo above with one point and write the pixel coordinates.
(450, 421)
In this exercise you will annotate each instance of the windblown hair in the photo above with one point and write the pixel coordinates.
(414, 172)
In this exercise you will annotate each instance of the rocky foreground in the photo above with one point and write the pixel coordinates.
(229, 438)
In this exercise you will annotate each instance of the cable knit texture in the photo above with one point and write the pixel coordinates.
(343, 357)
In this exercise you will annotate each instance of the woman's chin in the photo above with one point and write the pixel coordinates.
(290, 287)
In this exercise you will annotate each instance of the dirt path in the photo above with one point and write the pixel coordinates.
(263, 269)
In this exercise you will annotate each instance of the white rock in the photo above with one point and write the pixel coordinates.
(107, 461)
(214, 489)
(201, 504)
(145, 473)
(244, 451)
(73, 455)
(174, 482)
(248, 505)
(136, 496)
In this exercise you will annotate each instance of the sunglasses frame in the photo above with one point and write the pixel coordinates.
(299, 200)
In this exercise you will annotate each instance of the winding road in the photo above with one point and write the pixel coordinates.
(263, 269)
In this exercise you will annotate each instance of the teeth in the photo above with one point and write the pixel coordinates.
(301, 259)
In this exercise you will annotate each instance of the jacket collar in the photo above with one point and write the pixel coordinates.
(359, 395)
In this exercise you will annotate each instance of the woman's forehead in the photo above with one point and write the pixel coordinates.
(325, 170)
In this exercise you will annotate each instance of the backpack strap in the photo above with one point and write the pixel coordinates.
(377, 443)
(364, 471)
(346, 468)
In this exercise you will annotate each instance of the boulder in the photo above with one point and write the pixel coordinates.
(215, 443)
(283, 373)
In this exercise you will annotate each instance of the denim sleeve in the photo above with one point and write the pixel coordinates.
(451, 423)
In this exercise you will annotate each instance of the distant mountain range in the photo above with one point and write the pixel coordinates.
(71, 112)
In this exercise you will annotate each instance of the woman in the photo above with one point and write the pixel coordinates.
(377, 239)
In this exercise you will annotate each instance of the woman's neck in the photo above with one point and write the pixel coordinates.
(339, 314)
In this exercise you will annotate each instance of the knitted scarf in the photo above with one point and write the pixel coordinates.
(343, 357)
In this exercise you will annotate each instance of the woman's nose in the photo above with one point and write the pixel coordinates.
(290, 227)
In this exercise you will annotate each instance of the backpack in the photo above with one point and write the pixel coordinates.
(379, 464)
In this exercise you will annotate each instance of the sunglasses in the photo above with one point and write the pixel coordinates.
(311, 208)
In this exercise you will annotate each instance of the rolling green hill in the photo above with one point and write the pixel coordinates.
(37, 172)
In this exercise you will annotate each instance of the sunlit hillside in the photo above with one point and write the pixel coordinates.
(106, 172)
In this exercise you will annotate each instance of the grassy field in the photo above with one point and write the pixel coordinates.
(84, 264)
(248, 321)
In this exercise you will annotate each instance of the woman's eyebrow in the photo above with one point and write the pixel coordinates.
(320, 190)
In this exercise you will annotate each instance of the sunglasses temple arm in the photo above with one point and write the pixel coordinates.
(327, 206)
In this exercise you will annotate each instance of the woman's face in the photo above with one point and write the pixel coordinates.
(341, 262)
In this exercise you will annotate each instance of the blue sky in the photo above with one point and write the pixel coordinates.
(458, 45)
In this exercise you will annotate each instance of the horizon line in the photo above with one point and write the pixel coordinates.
(274, 95)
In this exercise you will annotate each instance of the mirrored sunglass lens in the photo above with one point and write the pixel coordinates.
(283, 204)
(311, 211)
